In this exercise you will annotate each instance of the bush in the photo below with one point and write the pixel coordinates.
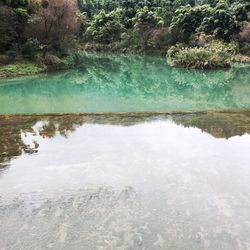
(4, 59)
(19, 69)
(54, 23)
(30, 48)
(75, 58)
(211, 55)
(53, 62)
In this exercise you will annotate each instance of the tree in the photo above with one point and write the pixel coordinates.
(144, 22)
(178, 3)
(187, 20)
(222, 23)
(15, 3)
(55, 23)
(243, 38)
(129, 11)
(13, 18)
(239, 10)
(165, 10)
(145, 17)
(106, 27)
(8, 27)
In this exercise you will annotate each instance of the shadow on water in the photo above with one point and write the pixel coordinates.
(14, 127)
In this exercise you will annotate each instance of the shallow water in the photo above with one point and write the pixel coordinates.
(119, 83)
(125, 181)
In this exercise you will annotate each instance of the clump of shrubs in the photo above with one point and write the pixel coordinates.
(30, 48)
(19, 69)
(206, 53)
(53, 62)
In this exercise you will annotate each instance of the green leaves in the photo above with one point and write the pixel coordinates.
(147, 17)
(106, 27)
(188, 19)
(222, 21)
(210, 54)
(16, 3)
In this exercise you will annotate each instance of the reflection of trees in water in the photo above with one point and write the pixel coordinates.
(149, 79)
(146, 76)
(218, 124)
(12, 128)
(11, 143)
(152, 77)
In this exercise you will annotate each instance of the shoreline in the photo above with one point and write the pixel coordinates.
(23, 67)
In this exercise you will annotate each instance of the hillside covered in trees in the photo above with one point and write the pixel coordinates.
(53, 33)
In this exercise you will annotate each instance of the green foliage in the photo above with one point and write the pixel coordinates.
(145, 22)
(16, 3)
(222, 21)
(45, 4)
(19, 69)
(30, 48)
(187, 20)
(202, 58)
(13, 51)
(4, 59)
(53, 62)
(146, 18)
(22, 13)
(82, 18)
(179, 3)
(106, 27)
(239, 10)
(142, 26)
(8, 27)
(129, 10)
(212, 54)
(75, 58)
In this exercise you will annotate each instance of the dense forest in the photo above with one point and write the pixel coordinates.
(53, 33)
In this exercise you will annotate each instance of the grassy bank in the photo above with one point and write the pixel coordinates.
(21, 66)
(20, 69)
(198, 58)
(206, 52)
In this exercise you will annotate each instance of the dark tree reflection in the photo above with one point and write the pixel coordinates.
(14, 127)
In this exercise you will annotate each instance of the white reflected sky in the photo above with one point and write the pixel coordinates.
(147, 156)
(156, 185)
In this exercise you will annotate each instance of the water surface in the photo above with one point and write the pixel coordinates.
(119, 83)
(140, 179)
(125, 181)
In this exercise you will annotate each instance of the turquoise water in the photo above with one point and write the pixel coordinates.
(119, 83)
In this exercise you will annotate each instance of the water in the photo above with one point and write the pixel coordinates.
(125, 174)
(125, 181)
(118, 83)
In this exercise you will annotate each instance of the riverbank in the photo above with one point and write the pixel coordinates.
(21, 66)
(20, 69)
(11, 68)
